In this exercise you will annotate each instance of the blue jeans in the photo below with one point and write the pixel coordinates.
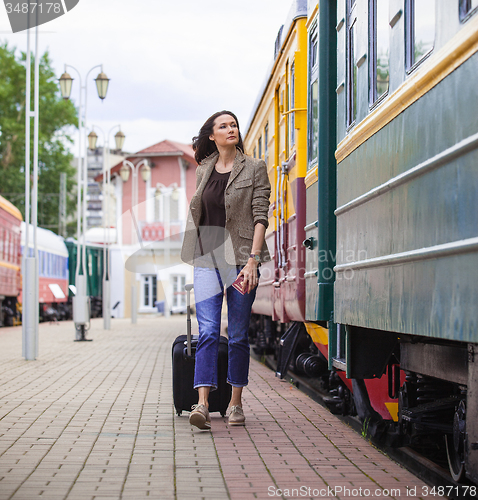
(208, 292)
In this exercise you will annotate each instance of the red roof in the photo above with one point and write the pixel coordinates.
(161, 148)
(168, 146)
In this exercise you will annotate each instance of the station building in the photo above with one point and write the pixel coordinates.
(146, 208)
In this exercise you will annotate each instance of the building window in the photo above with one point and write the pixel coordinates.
(379, 29)
(313, 108)
(351, 66)
(420, 30)
(260, 147)
(166, 206)
(466, 7)
(149, 290)
(179, 294)
(292, 106)
(158, 206)
(255, 152)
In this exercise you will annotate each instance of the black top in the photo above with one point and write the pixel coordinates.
(213, 209)
(213, 216)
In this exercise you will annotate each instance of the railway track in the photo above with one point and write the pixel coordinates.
(432, 470)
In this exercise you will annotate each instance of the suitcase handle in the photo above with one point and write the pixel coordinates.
(188, 289)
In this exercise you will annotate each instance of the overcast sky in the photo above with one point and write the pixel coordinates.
(171, 63)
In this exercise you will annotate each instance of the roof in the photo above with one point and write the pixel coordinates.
(10, 208)
(163, 148)
(47, 240)
(168, 146)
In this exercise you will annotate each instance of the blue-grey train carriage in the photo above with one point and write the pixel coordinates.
(407, 203)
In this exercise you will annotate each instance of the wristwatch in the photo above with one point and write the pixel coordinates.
(256, 257)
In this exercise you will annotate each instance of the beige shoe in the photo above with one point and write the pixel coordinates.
(200, 417)
(236, 417)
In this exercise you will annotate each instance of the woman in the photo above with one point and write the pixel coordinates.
(224, 239)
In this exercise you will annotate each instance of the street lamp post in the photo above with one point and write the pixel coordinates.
(81, 315)
(119, 139)
(145, 175)
(30, 263)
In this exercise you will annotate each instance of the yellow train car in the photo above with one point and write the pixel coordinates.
(277, 133)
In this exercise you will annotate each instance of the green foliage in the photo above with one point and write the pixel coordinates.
(56, 116)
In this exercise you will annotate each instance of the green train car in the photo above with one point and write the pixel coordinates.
(406, 287)
(94, 273)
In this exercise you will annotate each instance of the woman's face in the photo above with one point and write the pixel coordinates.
(225, 131)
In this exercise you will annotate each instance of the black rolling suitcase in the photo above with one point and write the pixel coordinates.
(184, 350)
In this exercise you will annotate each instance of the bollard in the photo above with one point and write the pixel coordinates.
(106, 305)
(133, 304)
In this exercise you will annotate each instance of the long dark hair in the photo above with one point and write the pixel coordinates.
(203, 146)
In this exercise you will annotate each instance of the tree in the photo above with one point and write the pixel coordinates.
(56, 117)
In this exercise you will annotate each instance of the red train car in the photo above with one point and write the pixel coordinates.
(10, 262)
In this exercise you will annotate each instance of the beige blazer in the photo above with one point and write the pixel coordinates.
(246, 200)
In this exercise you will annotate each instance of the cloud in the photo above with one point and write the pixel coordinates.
(169, 62)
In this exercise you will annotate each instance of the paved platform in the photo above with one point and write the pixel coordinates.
(95, 420)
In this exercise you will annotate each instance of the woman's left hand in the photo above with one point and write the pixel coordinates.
(249, 271)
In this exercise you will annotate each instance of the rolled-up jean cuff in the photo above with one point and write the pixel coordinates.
(212, 387)
(237, 385)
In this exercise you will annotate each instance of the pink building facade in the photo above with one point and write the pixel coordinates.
(150, 217)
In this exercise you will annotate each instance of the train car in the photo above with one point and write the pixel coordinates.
(406, 284)
(389, 276)
(52, 273)
(277, 134)
(294, 301)
(94, 274)
(10, 262)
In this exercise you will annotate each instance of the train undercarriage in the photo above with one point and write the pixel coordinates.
(428, 383)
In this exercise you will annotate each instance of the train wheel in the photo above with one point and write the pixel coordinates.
(455, 444)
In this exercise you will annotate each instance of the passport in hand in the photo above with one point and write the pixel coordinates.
(239, 284)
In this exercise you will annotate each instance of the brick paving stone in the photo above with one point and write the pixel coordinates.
(95, 420)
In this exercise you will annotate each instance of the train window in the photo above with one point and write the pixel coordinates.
(286, 102)
(379, 49)
(5, 246)
(314, 121)
(292, 106)
(420, 30)
(351, 66)
(466, 7)
(313, 108)
(266, 141)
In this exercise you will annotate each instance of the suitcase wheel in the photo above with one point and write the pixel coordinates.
(223, 413)
(179, 412)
